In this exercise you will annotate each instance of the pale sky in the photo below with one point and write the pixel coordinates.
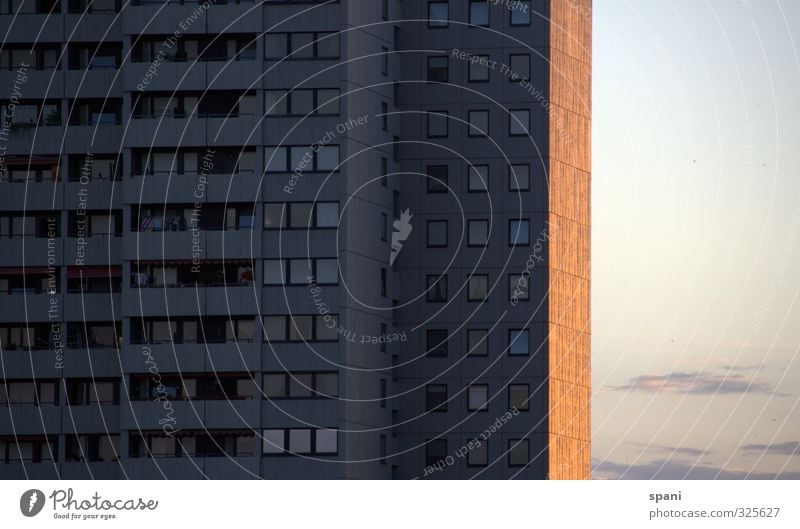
(696, 239)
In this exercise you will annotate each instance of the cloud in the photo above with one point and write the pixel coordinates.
(788, 448)
(699, 383)
(678, 469)
(676, 450)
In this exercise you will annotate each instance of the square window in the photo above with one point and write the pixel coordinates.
(518, 452)
(328, 158)
(275, 159)
(327, 385)
(477, 342)
(301, 45)
(478, 232)
(438, 14)
(437, 178)
(437, 124)
(300, 328)
(438, 69)
(384, 61)
(519, 122)
(519, 177)
(437, 234)
(300, 385)
(435, 451)
(328, 45)
(327, 328)
(273, 441)
(274, 271)
(436, 397)
(520, 13)
(479, 178)
(276, 103)
(437, 289)
(302, 102)
(436, 346)
(327, 441)
(479, 69)
(478, 122)
(519, 287)
(275, 386)
(519, 232)
(518, 396)
(299, 270)
(479, 13)
(300, 441)
(478, 455)
(478, 398)
(478, 287)
(275, 328)
(275, 45)
(327, 271)
(327, 214)
(519, 342)
(328, 102)
(520, 65)
(300, 214)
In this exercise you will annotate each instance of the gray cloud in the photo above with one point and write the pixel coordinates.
(677, 450)
(678, 469)
(699, 383)
(788, 448)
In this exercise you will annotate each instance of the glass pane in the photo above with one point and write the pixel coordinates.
(518, 342)
(302, 45)
(272, 441)
(519, 177)
(302, 102)
(478, 178)
(327, 441)
(327, 214)
(328, 45)
(300, 328)
(275, 159)
(328, 158)
(273, 272)
(478, 397)
(275, 102)
(275, 328)
(328, 101)
(327, 271)
(479, 13)
(477, 342)
(300, 385)
(328, 384)
(327, 329)
(274, 215)
(300, 441)
(300, 214)
(275, 385)
(438, 14)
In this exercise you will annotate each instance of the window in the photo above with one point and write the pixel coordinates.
(519, 122)
(292, 441)
(478, 232)
(297, 271)
(436, 346)
(520, 65)
(383, 393)
(437, 178)
(384, 116)
(479, 69)
(478, 397)
(518, 396)
(479, 13)
(518, 452)
(301, 215)
(478, 287)
(519, 177)
(436, 397)
(384, 225)
(477, 342)
(438, 14)
(437, 124)
(478, 122)
(297, 328)
(438, 69)
(301, 385)
(437, 289)
(478, 179)
(519, 289)
(287, 159)
(301, 46)
(435, 451)
(519, 232)
(385, 61)
(383, 282)
(385, 9)
(437, 234)
(518, 342)
(478, 455)
(521, 13)
(302, 102)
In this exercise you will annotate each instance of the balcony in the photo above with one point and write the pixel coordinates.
(234, 16)
(92, 418)
(178, 245)
(30, 420)
(193, 357)
(195, 414)
(193, 468)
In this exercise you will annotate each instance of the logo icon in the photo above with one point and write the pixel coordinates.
(402, 229)
(31, 502)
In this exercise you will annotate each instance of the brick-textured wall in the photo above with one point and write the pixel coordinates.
(570, 232)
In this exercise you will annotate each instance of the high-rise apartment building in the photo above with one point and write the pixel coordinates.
(295, 239)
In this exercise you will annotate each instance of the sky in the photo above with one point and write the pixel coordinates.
(696, 239)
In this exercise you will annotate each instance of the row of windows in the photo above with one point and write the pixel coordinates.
(519, 13)
(436, 342)
(519, 123)
(477, 452)
(478, 286)
(438, 181)
(479, 69)
(478, 233)
(436, 397)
